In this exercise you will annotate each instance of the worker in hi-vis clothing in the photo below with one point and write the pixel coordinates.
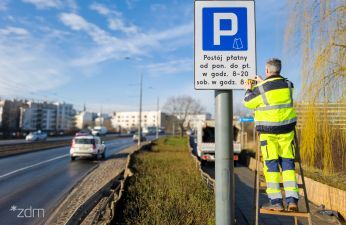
(275, 120)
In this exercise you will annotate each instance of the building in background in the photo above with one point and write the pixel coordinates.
(84, 120)
(46, 116)
(104, 120)
(64, 116)
(129, 120)
(192, 121)
(9, 114)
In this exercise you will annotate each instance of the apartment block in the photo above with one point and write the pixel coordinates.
(130, 120)
(46, 116)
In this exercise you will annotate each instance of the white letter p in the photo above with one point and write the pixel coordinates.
(218, 32)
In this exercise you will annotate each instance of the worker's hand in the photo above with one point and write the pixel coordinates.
(258, 78)
(247, 85)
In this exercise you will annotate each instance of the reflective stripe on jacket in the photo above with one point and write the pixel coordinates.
(273, 104)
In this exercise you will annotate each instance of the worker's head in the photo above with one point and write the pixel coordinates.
(273, 67)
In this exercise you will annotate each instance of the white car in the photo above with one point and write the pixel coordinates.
(99, 131)
(136, 136)
(87, 146)
(36, 136)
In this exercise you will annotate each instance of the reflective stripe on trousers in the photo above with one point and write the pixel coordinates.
(277, 151)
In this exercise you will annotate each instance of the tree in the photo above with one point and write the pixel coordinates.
(181, 107)
(317, 30)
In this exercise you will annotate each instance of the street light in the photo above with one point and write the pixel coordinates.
(157, 118)
(140, 111)
(140, 106)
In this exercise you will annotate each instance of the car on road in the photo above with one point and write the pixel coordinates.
(36, 136)
(136, 136)
(99, 131)
(83, 133)
(87, 146)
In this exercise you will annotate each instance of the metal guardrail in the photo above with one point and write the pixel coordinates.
(209, 181)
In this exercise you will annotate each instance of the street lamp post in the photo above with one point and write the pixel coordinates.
(140, 111)
(157, 118)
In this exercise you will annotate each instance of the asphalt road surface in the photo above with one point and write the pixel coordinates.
(33, 184)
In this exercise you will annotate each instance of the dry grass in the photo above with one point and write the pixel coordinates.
(337, 180)
(167, 188)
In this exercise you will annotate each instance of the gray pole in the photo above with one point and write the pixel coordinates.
(157, 118)
(140, 112)
(224, 178)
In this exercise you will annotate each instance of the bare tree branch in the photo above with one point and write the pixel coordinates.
(181, 107)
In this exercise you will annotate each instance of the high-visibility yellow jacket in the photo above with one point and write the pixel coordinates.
(273, 104)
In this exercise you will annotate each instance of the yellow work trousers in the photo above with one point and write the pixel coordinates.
(278, 151)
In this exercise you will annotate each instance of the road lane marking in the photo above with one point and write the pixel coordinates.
(28, 167)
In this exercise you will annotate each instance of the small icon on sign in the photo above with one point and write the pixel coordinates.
(237, 43)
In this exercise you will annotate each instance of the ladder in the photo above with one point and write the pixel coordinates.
(260, 184)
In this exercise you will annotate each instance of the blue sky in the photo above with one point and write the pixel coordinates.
(93, 51)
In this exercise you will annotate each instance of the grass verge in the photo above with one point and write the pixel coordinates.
(166, 188)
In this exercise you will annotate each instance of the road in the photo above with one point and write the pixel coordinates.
(63, 138)
(244, 190)
(34, 183)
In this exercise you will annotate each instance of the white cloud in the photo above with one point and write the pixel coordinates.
(27, 66)
(24, 72)
(55, 4)
(71, 4)
(18, 31)
(44, 4)
(75, 21)
(118, 24)
(101, 9)
(3, 5)
(109, 46)
(171, 67)
(112, 47)
(115, 19)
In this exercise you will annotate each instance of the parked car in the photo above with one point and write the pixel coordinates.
(82, 133)
(99, 131)
(87, 146)
(36, 136)
(136, 136)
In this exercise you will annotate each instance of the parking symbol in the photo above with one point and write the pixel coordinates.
(225, 29)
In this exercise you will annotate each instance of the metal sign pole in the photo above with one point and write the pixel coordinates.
(224, 176)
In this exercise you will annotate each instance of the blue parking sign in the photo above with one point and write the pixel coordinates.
(224, 29)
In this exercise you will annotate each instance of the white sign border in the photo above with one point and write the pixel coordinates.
(194, 39)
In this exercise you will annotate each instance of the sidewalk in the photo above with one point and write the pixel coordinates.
(244, 180)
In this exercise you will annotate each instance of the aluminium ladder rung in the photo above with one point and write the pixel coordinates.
(285, 213)
(264, 185)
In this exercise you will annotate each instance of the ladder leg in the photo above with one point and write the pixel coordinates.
(309, 220)
(296, 144)
(257, 183)
(295, 220)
